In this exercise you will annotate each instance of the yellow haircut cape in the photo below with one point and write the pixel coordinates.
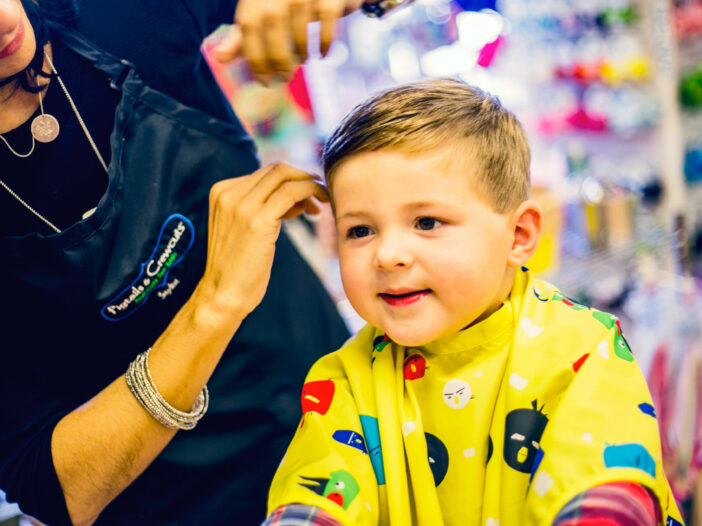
(502, 423)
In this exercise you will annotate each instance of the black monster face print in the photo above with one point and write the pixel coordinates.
(523, 430)
(438, 457)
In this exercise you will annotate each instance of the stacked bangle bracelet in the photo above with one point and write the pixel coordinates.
(142, 386)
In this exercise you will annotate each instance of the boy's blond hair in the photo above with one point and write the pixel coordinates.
(426, 115)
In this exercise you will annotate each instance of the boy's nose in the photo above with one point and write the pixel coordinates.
(392, 253)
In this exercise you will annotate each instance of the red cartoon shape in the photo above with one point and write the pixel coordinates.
(316, 396)
(414, 367)
(337, 498)
(577, 365)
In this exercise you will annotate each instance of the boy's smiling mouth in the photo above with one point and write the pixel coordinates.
(402, 298)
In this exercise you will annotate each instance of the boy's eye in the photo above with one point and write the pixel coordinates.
(358, 231)
(427, 223)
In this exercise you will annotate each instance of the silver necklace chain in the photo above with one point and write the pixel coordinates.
(31, 150)
(34, 141)
(87, 134)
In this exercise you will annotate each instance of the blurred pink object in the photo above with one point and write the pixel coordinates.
(487, 54)
(583, 120)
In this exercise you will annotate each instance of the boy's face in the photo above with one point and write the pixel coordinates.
(422, 255)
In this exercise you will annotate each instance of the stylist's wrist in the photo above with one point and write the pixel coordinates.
(211, 310)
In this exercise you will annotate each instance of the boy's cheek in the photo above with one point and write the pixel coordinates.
(356, 285)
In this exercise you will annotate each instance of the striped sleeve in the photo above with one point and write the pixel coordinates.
(300, 515)
(612, 504)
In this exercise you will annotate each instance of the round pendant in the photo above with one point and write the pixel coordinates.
(45, 128)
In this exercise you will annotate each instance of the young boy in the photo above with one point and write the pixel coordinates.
(477, 394)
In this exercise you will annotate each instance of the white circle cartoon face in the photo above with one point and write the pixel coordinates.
(457, 393)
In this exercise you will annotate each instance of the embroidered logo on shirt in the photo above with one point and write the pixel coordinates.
(174, 240)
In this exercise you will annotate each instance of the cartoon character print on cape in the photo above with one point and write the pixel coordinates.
(316, 397)
(438, 457)
(647, 409)
(523, 431)
(372, 433)
(457, 393)
(629, 456)
(580, 361)
(340, 487)
(621, 347)
(350, 438)
(414, 367)
(379, 343)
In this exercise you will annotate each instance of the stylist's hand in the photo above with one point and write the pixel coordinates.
(245, 215)
(272, 34)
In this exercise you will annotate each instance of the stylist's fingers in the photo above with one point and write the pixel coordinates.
(301, 13)
(230, 46)
(249, 19)
(328, 12)
(276, 31)
(265, 183)
(291, 198)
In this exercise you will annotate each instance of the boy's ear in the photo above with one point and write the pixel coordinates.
(526, 222)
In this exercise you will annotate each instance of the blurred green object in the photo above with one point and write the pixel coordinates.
(691, 88)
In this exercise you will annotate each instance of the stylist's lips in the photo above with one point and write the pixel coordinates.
(15, 44)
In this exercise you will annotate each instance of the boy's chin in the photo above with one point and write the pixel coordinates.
(411, 340)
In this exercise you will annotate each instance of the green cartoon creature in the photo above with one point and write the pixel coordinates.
(340, 487)
(559, 296)
(610, 321)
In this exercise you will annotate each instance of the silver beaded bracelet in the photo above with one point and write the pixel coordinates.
(142, 386)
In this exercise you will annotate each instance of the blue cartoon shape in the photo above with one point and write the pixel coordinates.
(670, 521)
(350, 438)
(372, 433)
(537, 462)
(536, 293)
(648, 409)
(630, 456)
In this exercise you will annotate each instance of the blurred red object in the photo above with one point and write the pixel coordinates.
(300, 94)
(585, 73)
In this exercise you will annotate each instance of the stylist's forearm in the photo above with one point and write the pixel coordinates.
(102, 446)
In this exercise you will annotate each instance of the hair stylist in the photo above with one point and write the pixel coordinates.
(130, 240)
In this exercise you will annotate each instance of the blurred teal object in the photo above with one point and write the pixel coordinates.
(693, 165)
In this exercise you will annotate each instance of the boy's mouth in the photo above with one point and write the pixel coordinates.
(403, 298)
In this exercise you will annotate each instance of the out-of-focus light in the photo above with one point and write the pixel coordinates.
(365, 37)
(592, 191)
(510, 93)
(404, 63)
(439, 13)
(338, 54)
(475, 29)
(446, 61)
